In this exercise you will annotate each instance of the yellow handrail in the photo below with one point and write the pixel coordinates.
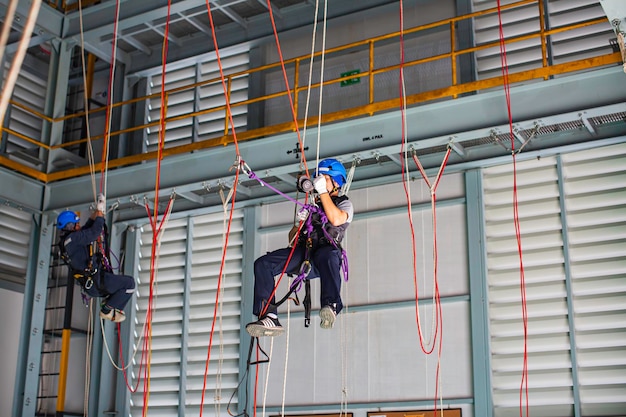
(371, 108)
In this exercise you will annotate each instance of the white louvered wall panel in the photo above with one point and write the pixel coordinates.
(566, 46)
(549, 360)
(166, 319)
(212, 125)
(595, 200)
(167, 328)
(203, 126)
(208, 234)
(15, 231)
(30, 90)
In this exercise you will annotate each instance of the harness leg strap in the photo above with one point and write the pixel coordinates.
(307, 303)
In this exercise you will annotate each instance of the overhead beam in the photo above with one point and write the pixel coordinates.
(258, 30)
(34, 41)
(201, 27)
(161, 31)
(231, 15)
(275, 11)
(99, 20)
(136, 44)
(49, 22)
(467, 119)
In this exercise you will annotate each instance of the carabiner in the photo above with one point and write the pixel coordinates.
(305, 269)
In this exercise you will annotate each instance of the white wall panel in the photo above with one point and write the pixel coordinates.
(15, 231)
(592, 258)
(197, 99)
(30, 90)
(167, 358)
(524, 55)
(384, 361)
(595, 183)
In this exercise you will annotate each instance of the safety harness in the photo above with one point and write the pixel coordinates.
(98, 262)
(317, 231)
(85, 277)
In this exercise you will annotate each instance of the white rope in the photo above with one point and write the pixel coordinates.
(319, 112)
(286, 352)
(110, 101)
(88, 358)
(218, 388)
(90, 154)
(18, 58)
(267, 375)
(308, 90)
(165, 220)
(6, 26)
(344, 355)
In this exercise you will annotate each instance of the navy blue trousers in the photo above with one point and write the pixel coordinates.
(327, 267)
(115, 289)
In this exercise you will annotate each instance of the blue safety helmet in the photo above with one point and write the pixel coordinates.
(334, 168)
(67, 218)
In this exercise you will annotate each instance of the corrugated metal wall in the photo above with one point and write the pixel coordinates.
(572, 220)
(184, 293)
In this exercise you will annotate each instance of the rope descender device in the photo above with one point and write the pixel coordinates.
(240, 164)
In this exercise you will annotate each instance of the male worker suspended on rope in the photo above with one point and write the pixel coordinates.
(86, 257)
(320, 246)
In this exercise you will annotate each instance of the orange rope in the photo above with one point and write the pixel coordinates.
(155, 224)
(291, 105)
(523, 395)
(438, 311)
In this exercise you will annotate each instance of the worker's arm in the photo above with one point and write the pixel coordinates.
(334, 214)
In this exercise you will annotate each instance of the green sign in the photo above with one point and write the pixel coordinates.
(350, 81)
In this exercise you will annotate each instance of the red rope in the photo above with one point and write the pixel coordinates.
(404, 182)
(438, 311)
(217, 294)
(155, 224)
(286, 79)
(518, 235)
(225, 248)
(106, 137)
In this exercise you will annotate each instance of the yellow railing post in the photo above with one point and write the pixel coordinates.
(62, 382)
(543, 39)
(453, 54)
(227, 111)
(371, 72)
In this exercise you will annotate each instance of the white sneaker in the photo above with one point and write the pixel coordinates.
(327, 317)
(266, 326)
(115, 315)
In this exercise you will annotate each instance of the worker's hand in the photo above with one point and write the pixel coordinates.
(303, 214)
(101, 203)
(320, 184)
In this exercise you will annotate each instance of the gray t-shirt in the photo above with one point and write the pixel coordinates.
(346, 205)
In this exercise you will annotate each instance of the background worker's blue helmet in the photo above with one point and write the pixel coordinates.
(67, 220)
(334, 168)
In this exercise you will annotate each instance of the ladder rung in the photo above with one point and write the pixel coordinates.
(43, 397)
(50, 351)
(49, 374)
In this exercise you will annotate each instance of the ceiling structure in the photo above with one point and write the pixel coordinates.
(555, 113)
(142, 24)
